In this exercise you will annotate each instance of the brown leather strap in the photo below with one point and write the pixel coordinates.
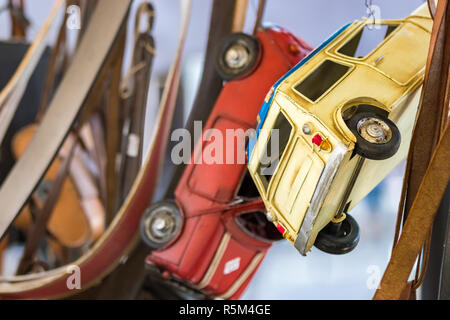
(115, 244)
(13, 92)
(112, 128)
(419, 223)
(99, 152)
(52, 71)
(107, 21)
(19, 22)
(135, 105)
(432, 116)
(37, 231)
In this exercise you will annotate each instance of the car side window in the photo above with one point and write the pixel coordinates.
(366, 40)
(326, 75)
(274, 149)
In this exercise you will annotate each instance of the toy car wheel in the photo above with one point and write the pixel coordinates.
(237, 55)
(160, 224)
(339, 238)
(378, 138)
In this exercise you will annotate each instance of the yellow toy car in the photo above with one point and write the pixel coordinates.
(333, 127)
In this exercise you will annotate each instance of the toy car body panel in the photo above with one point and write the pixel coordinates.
(216, 251)
(316, 173)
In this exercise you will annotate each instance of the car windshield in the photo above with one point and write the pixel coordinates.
(274, 149)
(321, 79)
(366, 40)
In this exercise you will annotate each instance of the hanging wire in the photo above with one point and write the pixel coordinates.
(370, 11)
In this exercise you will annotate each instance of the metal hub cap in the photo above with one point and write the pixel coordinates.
(374, 130)
(161, 225)
(237, 56)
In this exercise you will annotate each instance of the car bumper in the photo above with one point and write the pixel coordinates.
(302, 243)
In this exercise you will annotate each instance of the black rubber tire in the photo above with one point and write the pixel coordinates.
(172, 206)
(374, 151)
(339, 243)
(252, 46)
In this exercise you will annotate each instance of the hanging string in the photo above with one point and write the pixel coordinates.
(370, 11)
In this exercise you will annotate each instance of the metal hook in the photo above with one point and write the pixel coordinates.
(370, 10)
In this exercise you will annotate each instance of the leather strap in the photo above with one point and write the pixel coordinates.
(419, 223)
(65, 106)
(11, 95)
(432, 116)
(135, 104)
(19, 22)
(113, 103)
(58, 49)
(120, 238)
(37, 231)
(98, 152)
(432, 113)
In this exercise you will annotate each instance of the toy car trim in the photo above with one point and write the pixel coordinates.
(325, 180)
(265, 108)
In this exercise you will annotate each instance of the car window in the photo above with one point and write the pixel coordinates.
(321, 79)
(273, 151)
(257, 225)
(366, 40)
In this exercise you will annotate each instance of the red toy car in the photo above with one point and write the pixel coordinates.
(214, 235)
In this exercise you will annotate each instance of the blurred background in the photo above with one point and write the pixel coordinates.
(284, 274)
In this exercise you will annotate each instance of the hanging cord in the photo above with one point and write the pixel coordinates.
(371, 12)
